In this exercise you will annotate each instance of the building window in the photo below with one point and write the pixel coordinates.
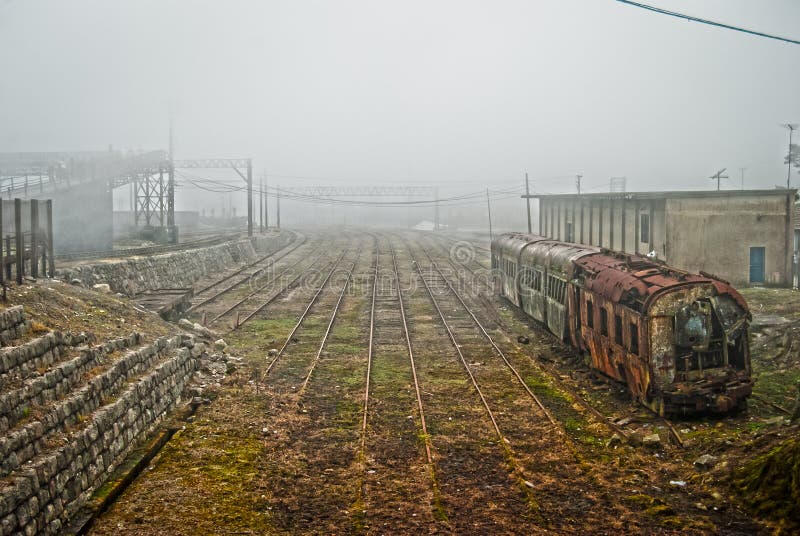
(644, 228)
(618, 329)
(570, 233)
(603, 322)
(634, 338)
(589, 314)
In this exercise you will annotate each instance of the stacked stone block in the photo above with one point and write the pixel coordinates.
(107, 404)
(13, 324)
(173, 270)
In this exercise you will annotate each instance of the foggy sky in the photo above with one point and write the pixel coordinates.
(474, 93)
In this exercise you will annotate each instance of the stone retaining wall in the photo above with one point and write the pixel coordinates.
(12, 324)
(23, 361)
(43, 495)
(56, 382)
(173, 270)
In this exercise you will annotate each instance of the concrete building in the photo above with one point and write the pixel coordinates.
(745, 237)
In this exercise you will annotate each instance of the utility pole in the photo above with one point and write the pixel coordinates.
(578, 182)
(741, 170)
(528, 201)
(489, 207)
(266, 201)
(718, 175)
(436, 214)
(792, 127)
(261, 206)
(249, 197)
(278, 212)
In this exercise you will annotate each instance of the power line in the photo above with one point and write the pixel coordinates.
(471, 198)
(709, 22)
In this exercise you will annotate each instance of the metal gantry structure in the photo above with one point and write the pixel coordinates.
(151, 176)
(236, 164)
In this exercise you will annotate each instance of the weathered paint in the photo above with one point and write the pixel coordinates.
(642, 295)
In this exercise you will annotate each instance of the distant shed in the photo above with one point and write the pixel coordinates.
(748, 237)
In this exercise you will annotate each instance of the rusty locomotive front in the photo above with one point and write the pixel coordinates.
(679, 341)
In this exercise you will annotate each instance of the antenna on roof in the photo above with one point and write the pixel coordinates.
(719, 175)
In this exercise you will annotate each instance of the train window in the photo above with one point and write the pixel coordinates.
(556, 288)
(590, 314)
(494, 262)
(531, 279)
(603, 322)
(618, 329)
(644, 228)
(634, 338)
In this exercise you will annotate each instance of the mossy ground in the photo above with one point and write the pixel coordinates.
(306, 473)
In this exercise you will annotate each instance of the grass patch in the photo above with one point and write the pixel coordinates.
(770, 485)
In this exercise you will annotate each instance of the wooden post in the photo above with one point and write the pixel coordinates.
(20, 240)
(34, 203)
(8, 254)
(51, 267)
(2, 255)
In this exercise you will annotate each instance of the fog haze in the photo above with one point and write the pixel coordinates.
(450, 92)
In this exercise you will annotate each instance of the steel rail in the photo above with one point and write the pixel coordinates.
(243, 268)
(516, 467)
(603, 419)
(265, 285)
(369, 355)
(242, 280)
(291, 284)
(491, 340)
(304, 313)
(330, 324)
(417, 391)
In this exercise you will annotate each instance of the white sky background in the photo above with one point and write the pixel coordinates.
(463, 92)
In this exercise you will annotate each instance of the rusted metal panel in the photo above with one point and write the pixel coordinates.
(703, 364)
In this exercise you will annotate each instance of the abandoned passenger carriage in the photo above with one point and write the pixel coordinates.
(679, 341)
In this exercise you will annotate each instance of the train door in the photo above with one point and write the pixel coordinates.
(574, 315)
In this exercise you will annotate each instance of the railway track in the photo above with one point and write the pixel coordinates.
(391, 427)
(210, 292)
(253, 303)
(395, 403)
(479, 277)
(477, 449)
(206, 241)
(313, 387)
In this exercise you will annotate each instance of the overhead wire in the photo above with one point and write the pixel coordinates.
(466, 199)
(709, 22)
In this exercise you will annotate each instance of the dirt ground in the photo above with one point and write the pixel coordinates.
(284, 450)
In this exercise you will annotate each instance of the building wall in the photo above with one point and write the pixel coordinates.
(82, 218)
(695, 233)
(611, 223)
(715, 235)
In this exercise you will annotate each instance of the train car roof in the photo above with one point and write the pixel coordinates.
(626, 279)
(557, 255)
(515, 242)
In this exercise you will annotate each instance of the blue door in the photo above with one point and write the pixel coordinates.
(757, 265)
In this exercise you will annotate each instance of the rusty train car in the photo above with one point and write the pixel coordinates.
(679, 341)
